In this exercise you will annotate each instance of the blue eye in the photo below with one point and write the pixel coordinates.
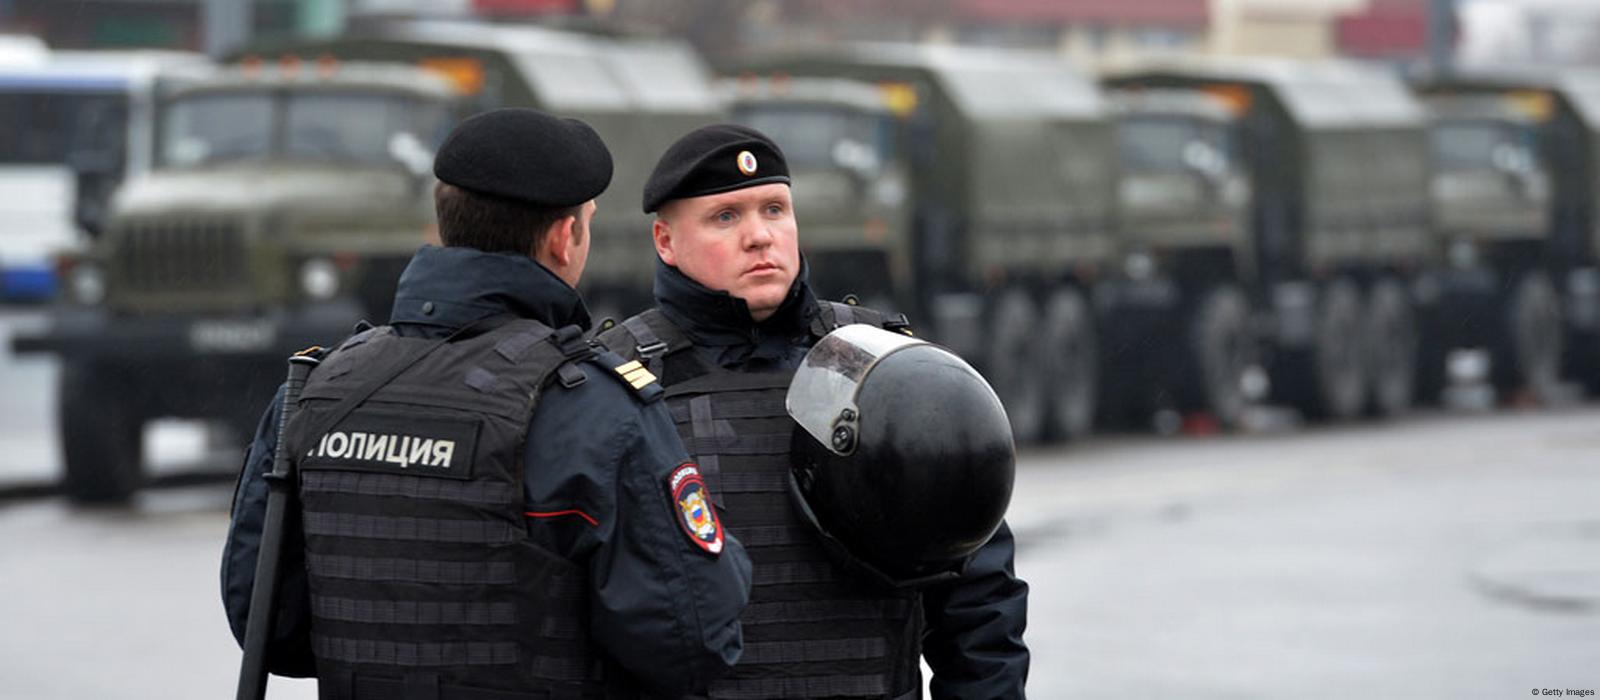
(725, 217)
(774, 210)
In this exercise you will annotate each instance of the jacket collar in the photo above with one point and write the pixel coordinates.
(454, 286)
(717, 318)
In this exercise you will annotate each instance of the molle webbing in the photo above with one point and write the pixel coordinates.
(390, 570)
(422, 570)
(407, 529)
(810, 630)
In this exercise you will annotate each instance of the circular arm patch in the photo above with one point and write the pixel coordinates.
(692, 503)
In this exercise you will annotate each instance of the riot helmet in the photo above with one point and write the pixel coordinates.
(903, 456)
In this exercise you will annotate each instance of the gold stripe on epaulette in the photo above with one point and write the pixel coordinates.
(639, 378)
(628, 366)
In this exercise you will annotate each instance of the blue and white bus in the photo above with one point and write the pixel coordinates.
(56, 106)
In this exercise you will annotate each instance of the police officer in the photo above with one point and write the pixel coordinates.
(734, 318)
(492, 508)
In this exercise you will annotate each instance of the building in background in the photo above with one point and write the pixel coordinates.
(1088, 31)
(1546, 32)
(1393, 30)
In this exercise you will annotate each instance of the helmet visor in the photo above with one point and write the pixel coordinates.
(822, 397)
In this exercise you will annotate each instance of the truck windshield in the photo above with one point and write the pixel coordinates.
(823, 137)
(1166, 145)
(322, 125)
(1482, 146)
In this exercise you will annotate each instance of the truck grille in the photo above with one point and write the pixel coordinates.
(181, 256)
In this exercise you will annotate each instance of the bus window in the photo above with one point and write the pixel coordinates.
(36, 125)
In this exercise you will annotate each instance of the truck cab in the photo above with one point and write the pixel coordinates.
(1539, 279)
(1181, 320)
(279, 206)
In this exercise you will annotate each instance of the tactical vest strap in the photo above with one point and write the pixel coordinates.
(368, 484)
(720, 382)
(832, 314)
(726, 408)
(367, 688)
(393, 570)
(407, 529)
(703, 427)
(831, 686)
(796, 611)
(810, 650)
(654, 337)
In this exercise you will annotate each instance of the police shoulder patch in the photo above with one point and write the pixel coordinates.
(692, 504)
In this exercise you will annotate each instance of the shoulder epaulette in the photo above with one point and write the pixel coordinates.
(632, 373)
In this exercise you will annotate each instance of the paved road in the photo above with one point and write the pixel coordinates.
(1445, 556)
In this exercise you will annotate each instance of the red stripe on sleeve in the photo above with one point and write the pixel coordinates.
(558, 513)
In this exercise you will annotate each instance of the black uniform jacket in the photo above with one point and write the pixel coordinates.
(597, 459)
(973, 639)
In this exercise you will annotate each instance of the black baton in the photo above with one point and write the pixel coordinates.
(263, 597)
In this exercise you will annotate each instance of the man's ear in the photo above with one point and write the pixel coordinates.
(661, 231)
(557, 245)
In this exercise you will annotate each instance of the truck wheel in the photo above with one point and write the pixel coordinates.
(1329, 381)
(102, 438)
(1219, 351)
(1392, 344)
(1070, 349)
(1014, 356)
(1527, 353)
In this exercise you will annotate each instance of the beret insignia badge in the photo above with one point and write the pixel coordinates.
(747, 163)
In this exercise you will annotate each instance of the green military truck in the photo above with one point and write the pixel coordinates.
(640, 94)
(1492, 198)
(1546, 266)
(1339, 237)
(277, 209)
(849, 177)
(1010, 210)
(1177, 331)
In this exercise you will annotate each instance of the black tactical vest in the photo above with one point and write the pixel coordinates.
(424, 582)
(811, 630)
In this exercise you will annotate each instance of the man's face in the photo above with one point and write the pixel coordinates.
(744, 242)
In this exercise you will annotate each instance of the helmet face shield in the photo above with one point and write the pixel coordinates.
(822, 397)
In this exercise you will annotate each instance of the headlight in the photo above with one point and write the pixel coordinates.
(88, 283)
(319, 279)
(1139, 266)
(1464, 254)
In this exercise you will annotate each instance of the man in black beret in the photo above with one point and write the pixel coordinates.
(490, 506)
(734, 317)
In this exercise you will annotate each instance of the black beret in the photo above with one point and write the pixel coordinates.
(714, 159)
(525, 155)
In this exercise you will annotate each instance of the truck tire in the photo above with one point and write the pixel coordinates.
(1526, 354)
(1070, 349)
(1329, 380)
(1392, 348)
(1013, 360)
(1219, 349)
(102, 437)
